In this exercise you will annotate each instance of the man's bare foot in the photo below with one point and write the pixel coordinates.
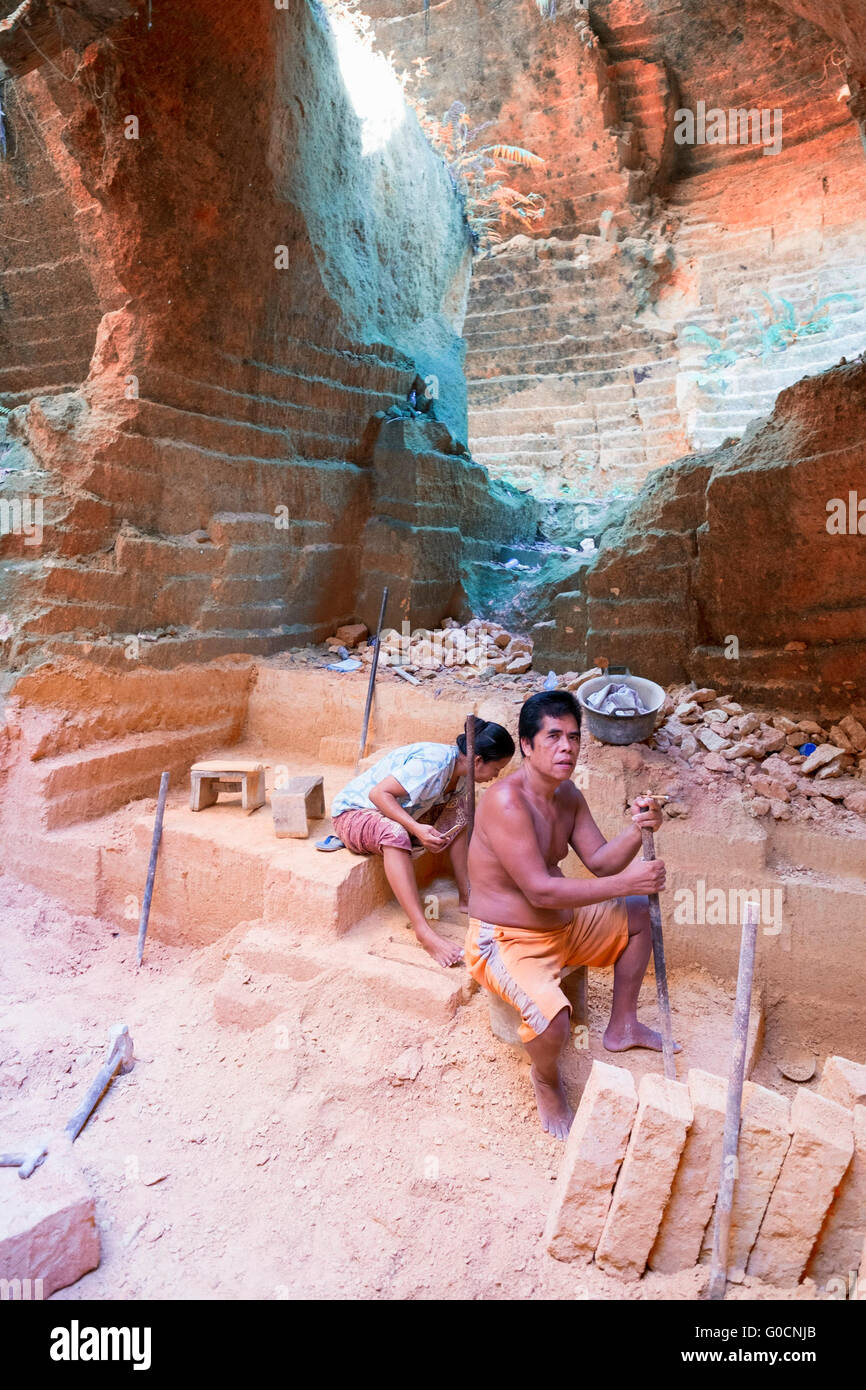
(633, 1035)
(553, 1108)
(444, 952)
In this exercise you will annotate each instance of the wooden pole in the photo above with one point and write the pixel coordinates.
(372, 681)
(151, 868)
(648, 842)
(731, 1141)
(470, 776)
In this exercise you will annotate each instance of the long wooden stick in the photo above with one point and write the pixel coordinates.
(731, 1141)
(470, 776)
(372, 681)
(661, 973)
(151, 868)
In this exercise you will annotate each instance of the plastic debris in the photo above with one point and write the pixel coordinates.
(552, 681)
(807, 748)
(350, 664)
(621, 700)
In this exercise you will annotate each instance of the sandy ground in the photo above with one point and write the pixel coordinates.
(288, 1162)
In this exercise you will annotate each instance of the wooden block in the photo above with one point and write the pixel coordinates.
(820, 1151)
(202, 791)
(254, 792)
(223, 767)
(290, 814)
(645, 1179)
(311, 788)
(207, 780)
(594, 1151)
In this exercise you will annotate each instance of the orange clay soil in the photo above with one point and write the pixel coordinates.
(293, 1160)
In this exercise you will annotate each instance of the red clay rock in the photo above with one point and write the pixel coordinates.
(843, 1081)
(765, 1136)
(47, 1224)
(596, 1145)
(678, 1243)
(837, 1250)
(818, 1156)
(645, 1179)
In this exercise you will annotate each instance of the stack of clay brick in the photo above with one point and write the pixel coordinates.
(642, 1164)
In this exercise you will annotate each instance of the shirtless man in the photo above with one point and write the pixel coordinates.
(527, 921)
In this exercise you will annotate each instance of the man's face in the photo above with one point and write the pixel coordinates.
(553, 752)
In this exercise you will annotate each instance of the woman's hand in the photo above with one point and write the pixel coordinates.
(431, 839)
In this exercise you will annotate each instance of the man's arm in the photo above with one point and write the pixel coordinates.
(606, 857)
(510, 833)
(384, 798)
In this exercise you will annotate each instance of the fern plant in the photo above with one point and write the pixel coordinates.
(770, 336)
(477, 171)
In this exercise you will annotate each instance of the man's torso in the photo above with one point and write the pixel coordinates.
(495, 897)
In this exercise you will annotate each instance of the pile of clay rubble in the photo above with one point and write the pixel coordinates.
(479, 646)
(783, 766)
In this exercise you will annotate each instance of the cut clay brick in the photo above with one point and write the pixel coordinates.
(644, 1184)
(678, 1243)
(840, 1244)
(820, 1151)
(47, 1225)
(765, 1134)
(844, 1082)
(596, 1145)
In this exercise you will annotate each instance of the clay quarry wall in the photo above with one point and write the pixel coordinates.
(743, 567)
(221, 264)
(586, 361)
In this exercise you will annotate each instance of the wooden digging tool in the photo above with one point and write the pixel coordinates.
(119, 1058)
(655, 912)
(151, 868)
(373, 670)
(731, 1141)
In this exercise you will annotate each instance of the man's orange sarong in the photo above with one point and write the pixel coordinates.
(523, 965)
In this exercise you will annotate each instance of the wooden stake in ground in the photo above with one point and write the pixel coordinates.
(372, 681)
(151, 868)
(661, 973)
(731, 1141)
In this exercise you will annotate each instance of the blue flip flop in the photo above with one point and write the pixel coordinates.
(329, 844)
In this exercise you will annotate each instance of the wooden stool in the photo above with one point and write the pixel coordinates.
(292, 803)
(505, 1020)
(207, 780)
